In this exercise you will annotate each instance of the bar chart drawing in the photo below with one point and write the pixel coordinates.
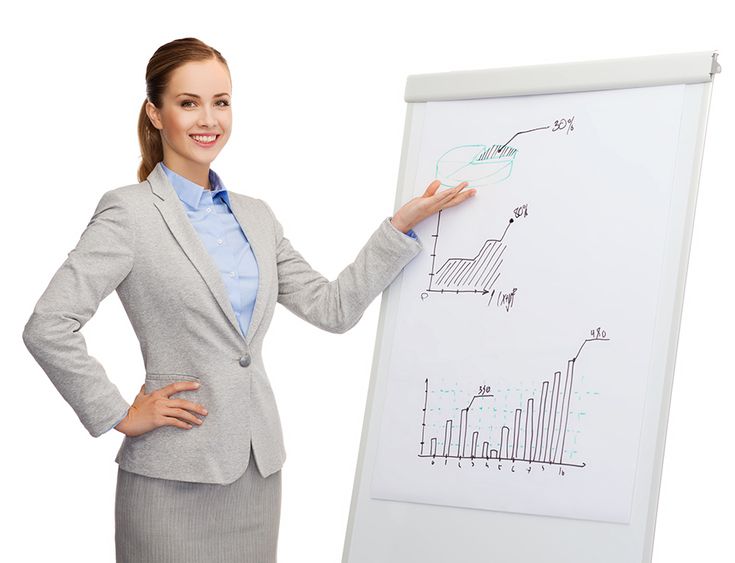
(537, 435)
(526, 410)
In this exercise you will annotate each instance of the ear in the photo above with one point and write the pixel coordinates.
(154, 115)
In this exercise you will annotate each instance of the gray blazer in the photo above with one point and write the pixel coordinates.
(141, 243)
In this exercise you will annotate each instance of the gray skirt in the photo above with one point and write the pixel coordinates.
(162, 521)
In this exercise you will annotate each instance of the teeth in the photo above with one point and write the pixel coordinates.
(203, 139)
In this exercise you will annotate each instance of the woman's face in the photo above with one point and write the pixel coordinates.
(196, 106)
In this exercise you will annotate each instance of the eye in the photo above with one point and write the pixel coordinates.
(224, 103)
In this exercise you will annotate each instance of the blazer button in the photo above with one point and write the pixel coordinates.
(245, 360)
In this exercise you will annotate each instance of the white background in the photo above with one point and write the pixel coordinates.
(312, 80)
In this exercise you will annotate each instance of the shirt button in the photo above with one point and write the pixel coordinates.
(245, 360)
(209, 209)
(219, 241)
(232, 274)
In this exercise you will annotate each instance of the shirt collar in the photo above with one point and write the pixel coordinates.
(195, 195)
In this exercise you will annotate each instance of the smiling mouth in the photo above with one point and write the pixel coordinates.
(205, 140)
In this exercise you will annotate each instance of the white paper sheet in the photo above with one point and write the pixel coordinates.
(529, 340)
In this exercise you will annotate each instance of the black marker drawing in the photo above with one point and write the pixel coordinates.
(473, 275)
(481, 165)
(476, 164)
(468, 275)
(537, 437)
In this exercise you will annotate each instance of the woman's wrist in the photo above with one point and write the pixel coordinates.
(400, 226)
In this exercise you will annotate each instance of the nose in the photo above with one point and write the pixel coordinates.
(206, 118)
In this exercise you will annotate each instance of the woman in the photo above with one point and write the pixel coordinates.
(198, 269)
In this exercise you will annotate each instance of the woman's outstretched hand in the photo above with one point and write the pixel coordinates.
(419, 208)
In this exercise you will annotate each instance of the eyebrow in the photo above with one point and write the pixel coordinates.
(199, 97)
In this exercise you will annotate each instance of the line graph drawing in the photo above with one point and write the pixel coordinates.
(479, 165)
(537, 436)
(527, 412)
(476, 274)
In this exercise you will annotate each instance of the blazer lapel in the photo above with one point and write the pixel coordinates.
(170, 207)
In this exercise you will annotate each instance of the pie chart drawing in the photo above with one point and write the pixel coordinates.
(479, 165)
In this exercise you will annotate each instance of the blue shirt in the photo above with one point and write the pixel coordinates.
(211, 216)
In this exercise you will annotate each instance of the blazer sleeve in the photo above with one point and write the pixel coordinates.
(337, 305)
(103, 257)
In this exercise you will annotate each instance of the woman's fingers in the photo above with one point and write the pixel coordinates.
(455, 190)
(432, 201)
(460, 198)
(442, 198)
(173, 421)
(180, 414)
(432, 188)
(445, 195)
